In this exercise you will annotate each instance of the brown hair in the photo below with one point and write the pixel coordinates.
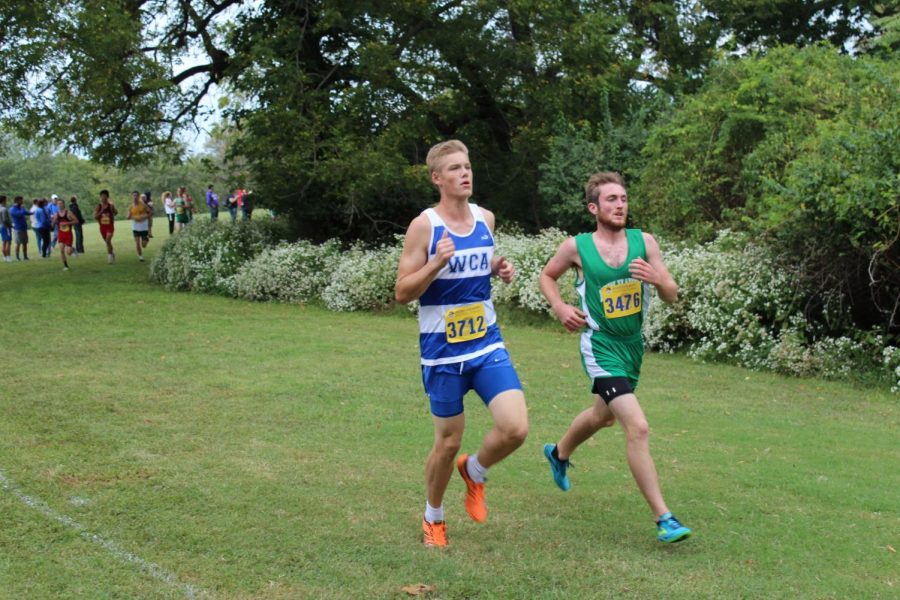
(439, 151)
(592, 189)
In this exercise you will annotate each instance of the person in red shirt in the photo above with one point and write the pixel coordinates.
(105, 214)
(63, 221)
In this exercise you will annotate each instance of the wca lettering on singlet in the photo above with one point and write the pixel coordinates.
(472, 262)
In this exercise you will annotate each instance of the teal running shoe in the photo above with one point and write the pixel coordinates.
(557, 468)
(669, 529)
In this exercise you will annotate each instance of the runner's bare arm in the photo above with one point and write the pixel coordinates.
(415, 272)
(654, 271)
(565, 258)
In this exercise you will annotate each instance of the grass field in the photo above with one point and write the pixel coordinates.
(164, 445)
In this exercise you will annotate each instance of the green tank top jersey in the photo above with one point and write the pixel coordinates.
(611, 345)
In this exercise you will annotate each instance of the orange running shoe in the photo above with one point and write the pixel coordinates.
(475, 504)
(435, 533)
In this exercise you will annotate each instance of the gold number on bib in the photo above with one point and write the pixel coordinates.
(621, 299)
(465, 323)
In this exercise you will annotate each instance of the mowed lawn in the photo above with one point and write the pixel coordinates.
(169, 445)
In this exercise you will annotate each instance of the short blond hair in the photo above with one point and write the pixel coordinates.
(592, 188)
(439, 151)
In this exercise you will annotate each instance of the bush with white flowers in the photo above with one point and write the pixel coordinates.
(294, 273)
(206, 255)
(734, 299)
(529, 254)
(738, 300)
(890, 357)
(364, 278)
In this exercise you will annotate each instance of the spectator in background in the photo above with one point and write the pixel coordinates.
(212, 201)
(148, 202)
(20, 225)
(231, 203)
(105, 214)
(5, 229)
(52, 209)
(35, 208)
(181, 211)
(79, 222)
(42, 218)
(169, 206)
(244, 201)
(188, 204)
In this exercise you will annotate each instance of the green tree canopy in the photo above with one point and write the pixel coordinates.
(35, 171)
(340, 100)
(801, 146)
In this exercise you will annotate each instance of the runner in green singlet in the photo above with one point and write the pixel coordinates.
(616, 267)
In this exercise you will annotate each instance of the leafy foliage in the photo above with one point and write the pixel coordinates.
(35, 172)
(578, 150)
(529, 254)
(740, 302)
(332, 104)
(206, 255)
(800, 146)
(364, 279)
(294, 273)
(106, 78)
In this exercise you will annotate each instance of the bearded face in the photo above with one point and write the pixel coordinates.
(611, 208)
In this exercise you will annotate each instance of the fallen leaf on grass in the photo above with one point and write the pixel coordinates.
(418, 589)
(891, 548)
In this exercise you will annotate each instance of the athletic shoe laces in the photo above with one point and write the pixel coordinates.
(671, 523)
(563, 465)
(436, 533)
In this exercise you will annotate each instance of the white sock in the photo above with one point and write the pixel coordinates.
(432, 514)
(475, 470)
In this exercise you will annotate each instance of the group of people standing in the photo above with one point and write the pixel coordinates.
(54, 224)
(236, 200)
(180, 208)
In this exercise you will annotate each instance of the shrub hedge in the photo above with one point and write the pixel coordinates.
(739, 302)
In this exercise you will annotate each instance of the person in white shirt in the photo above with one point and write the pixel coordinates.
(169, 205)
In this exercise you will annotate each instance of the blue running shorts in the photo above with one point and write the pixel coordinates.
(488, 375)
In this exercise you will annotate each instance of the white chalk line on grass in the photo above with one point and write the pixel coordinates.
(110, 546)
